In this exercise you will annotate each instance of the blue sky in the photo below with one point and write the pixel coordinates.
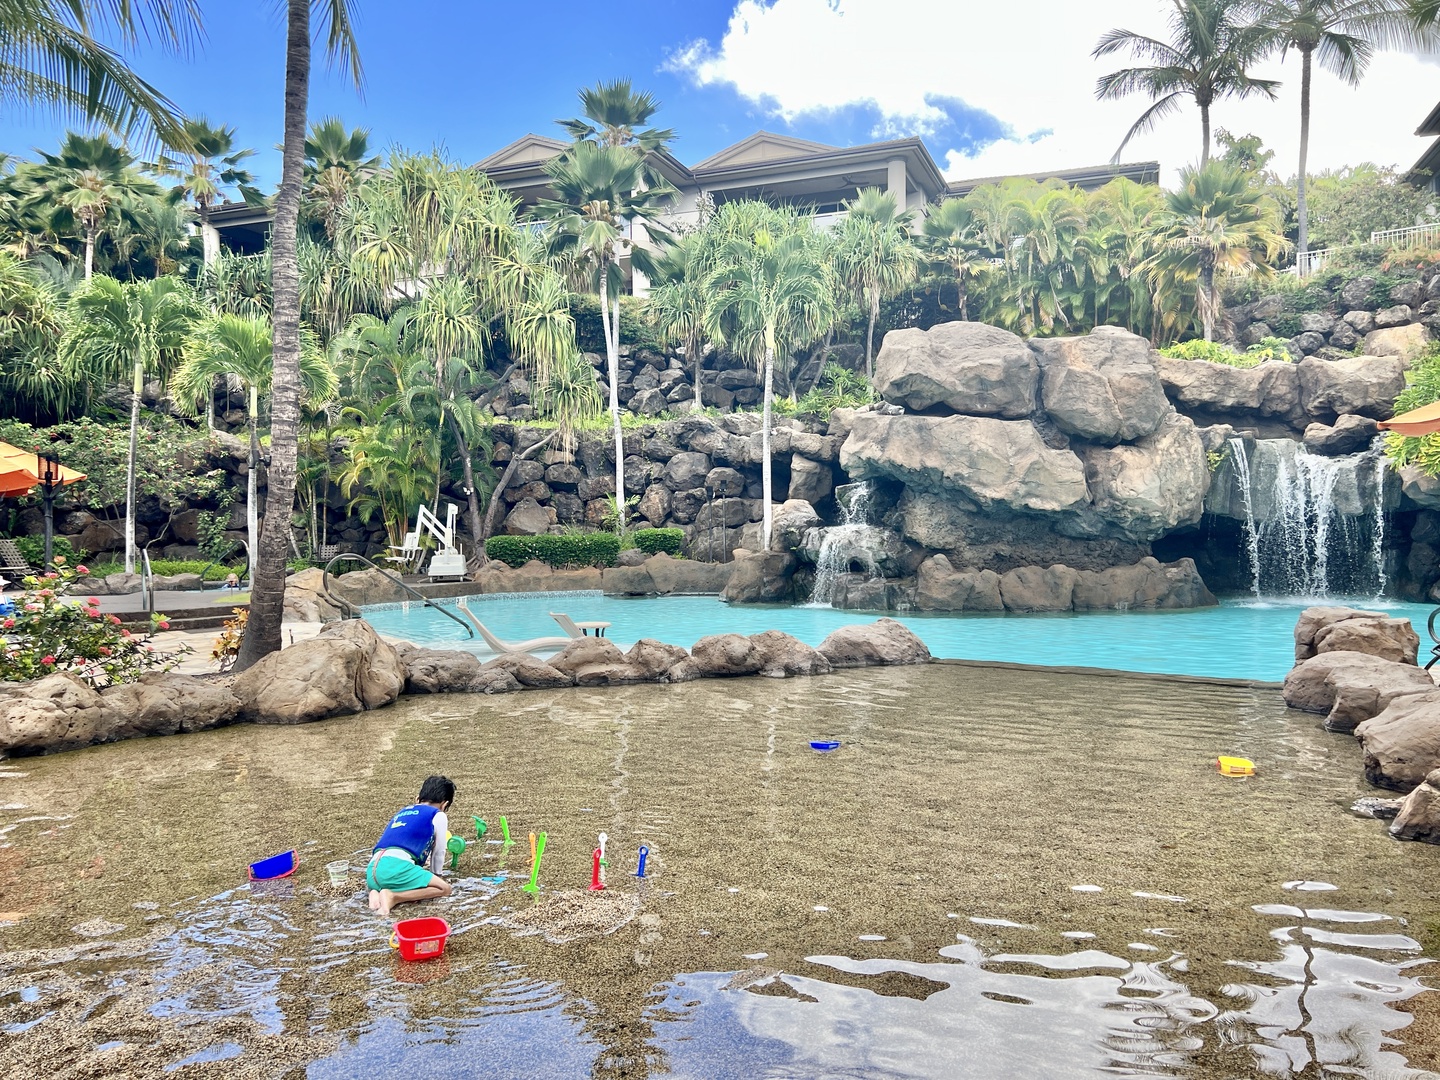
(472, 76)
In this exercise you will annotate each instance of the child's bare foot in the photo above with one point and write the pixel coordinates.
(374, 900)
(387, 901)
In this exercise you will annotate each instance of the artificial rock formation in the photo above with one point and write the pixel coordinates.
(1155, 485)
(883, 642)
(347, 668)
(1402, 742)
(1342, 629)
(1419, 815)
(1103, 386)
(1351, 687)
(967, 367)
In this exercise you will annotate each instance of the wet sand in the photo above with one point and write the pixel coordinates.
(959, 793)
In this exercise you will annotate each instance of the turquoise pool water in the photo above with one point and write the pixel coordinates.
(1240, 639)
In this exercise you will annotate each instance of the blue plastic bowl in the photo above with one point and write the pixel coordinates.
(276, 866)
(823, 746)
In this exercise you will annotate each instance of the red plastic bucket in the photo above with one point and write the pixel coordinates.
(420, 939)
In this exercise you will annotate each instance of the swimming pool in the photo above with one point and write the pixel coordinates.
(1240, 639)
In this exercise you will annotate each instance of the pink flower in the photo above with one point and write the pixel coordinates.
(163, 625)
(51, 576)
(104, 650)
(82, 569)
(93, 601)
(124, 633)
(46, 592)
(32, 607)
(114, 620)
(58, 560)
(48, 660)
(9, 624)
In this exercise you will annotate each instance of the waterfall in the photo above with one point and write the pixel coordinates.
(1312, 525)
(1252, 535)
(843, 545)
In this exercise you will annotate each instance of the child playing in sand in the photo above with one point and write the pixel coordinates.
(397, 872)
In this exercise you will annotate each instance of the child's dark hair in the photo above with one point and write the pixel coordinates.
(437, 789)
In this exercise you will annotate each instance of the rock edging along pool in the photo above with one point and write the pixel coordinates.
(1240, 639)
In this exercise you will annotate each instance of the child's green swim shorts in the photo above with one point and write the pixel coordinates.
(396, 874)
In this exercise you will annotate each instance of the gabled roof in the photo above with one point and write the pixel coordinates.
(1431, 124)
(529, 149)
(1087, 177)
(762, 147)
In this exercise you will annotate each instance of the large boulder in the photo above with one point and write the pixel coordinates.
(1363, 385)
(164, 703)
(367, 586)
(58, 712)
(686, 577)
(966, 367)
(872, 548)
(1351, 687)
(1405, 342)
(1039, 588)
(1104, 387)
(450, 671)
(992, 462)
(782, 656)
(810, 481)
(1270, 389)
(528, 518)
(1419, 816)
(529, 671)
(719, 655)
(883, 642)
(1154, 486)
(1420, 487)
(1148, 585)
(594, 661)
(347, 668)
(1349, 434)
(940, 587)
(306, 599)
(789, 523)
(686, 471)
(762, 578)
(1345, 629)
(652, 661)
(1402, 742)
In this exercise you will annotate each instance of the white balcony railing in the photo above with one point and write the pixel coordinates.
(1413, 236)
(1312, 262)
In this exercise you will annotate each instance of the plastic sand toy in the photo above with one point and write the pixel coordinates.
(644, 854)
(420, 939)
(456, 847)
(1235, 766)
(480, 827)
(276, 866)
(537, 852)
(823, 745)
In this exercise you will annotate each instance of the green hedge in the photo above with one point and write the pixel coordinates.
(33, 548)
(583, 549)
(655, 541)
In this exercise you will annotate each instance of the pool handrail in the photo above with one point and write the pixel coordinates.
(349, 608)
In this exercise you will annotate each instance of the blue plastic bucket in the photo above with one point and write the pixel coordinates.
(823, 746)
(276, 866)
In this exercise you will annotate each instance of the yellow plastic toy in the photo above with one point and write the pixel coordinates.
(1235, 766)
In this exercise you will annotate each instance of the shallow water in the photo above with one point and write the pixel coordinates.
(1240, 639)
(999, 873)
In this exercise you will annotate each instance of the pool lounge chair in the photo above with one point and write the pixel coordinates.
(515, 648)
(580, 629)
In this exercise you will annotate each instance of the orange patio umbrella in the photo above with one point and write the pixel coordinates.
(22, 470)
(1421, 421)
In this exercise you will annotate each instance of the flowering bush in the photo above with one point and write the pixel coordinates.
(44, 635)
(227, 645)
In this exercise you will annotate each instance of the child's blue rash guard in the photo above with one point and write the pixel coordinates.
(412, 830)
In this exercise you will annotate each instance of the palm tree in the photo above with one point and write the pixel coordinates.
(84, 182)
(241, 346)
(613, 111)
(677, 304)
(336, 160)
(1210, 47)
(771, 294)
(952, 237)
(32, 320)
(1216, 223)
(1342, 36)
(600, 192)
(267, 594)
(878, 257)
(50, 57)
(136, 329)
(205, 169)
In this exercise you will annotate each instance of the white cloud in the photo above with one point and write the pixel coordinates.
(1028, 64)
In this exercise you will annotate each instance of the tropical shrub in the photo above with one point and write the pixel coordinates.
(1422, 387)
(838, 388)
(45, 635)
(33, 548)
(1217, 353)
(227, 645)
(561, 552)
(656, 541)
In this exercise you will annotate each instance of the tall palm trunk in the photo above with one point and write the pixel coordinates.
(766, 480)
(693, 351)
(1207, 301)
(252, 483)
(137, 386)
(961, 299)
(90, 231)
(870, 335)
(1302, 206)
(267, 593)
(1204, 135)
(472, 501)
(612, 366)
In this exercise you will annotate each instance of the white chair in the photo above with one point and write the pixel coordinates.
(515, 648)
(579, 629)
(408, 553)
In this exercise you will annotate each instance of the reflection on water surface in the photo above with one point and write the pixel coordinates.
(905, 906)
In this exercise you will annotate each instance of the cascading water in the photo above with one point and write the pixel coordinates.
(844, 545)
(1312, 525)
